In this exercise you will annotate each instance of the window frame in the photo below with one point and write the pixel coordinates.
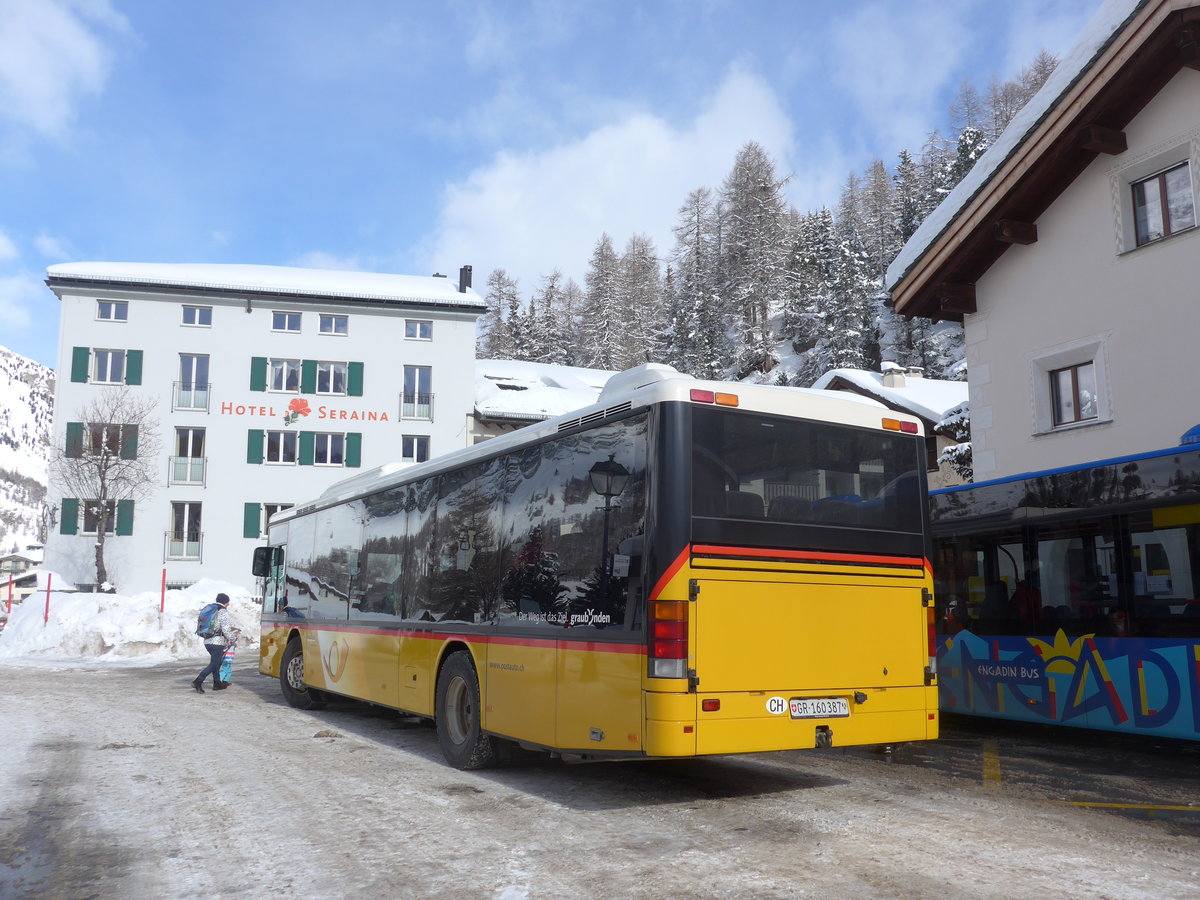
(109, 356)
(323, 442)
(297, 369)
(1076, 401)
(325, 368)
(198, 310)
(1159, 181)
(281, 438)
(266, 510)
(114, 307)
(287, 317)
(1044, 363)
(333, 319)
(409, 448)
(110, 519)
(428, 329)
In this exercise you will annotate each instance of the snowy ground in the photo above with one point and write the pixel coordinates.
(120, 781)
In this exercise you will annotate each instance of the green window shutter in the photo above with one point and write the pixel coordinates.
(81, 358)
(353, 450)
(74, 449)
(258, 373)
(129, 441)
(133, 366)
(125, 517)
(308, 376)
(254, 446)
(308, 446)
(251, 515)
(354, 379)
(68, 523)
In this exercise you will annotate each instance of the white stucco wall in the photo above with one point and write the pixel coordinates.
(376, 338)
(1079, 289)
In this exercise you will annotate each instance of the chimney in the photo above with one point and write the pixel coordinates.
(464, 279)
(893, 375)
(916, 372)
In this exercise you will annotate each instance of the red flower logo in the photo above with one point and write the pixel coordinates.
(297, 408)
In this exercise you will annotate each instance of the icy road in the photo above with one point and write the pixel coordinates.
(122, 782)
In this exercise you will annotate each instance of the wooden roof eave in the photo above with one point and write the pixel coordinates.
(940, 283)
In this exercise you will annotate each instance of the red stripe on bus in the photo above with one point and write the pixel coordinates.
(756, 553)
(672, 571)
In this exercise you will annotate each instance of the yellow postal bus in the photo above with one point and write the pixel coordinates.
(684, 568)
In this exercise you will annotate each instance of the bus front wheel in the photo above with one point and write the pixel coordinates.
(463, 743)
(291, 680)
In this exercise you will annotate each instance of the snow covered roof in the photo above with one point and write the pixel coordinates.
(528, 391)
(272, 280)
(1099, 86)
(929, 398)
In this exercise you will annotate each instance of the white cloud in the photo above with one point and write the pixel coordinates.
(319, 259)
(52, 248)
(51, 56)
(530, 213)
(19, 292)
(8, 250)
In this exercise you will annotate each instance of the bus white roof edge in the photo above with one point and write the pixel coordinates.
(638, 377)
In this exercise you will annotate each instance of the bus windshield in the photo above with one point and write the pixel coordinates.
(752, 466)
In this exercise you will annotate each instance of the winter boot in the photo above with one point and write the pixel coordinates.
(220, 685)
(198, 685)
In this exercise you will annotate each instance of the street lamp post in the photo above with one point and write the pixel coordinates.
(608, 479)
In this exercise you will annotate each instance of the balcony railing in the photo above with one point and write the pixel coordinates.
(190, 395)
(416, 406)
(189, 545)
(187, 470)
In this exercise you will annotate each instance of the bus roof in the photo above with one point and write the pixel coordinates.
(634, 388)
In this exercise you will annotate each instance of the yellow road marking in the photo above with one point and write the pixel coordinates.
(991, 764)
(1195, 809)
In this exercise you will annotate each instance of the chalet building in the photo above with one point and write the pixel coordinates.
(1071, 255)
(511, 394)
(267, 385)
(909, 391)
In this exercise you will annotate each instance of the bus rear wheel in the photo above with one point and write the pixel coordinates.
(463, 743)
(291, 680)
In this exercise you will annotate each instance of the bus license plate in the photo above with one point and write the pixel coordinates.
(819, 707)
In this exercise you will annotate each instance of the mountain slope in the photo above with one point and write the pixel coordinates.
(26, 412)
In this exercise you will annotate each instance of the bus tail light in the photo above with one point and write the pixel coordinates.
(717, 397)
(668, 639)
(897, 425)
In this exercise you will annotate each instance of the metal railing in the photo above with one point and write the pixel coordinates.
(189, 545)
(416, 406)
(190, 395)
(187, 470)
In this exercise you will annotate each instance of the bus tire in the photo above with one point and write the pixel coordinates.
(463, 744)
(291, 680)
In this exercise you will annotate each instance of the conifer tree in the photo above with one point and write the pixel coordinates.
(601, 326)
(495, 339)
(641, 300)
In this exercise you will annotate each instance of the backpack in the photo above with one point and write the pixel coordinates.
(206, 624)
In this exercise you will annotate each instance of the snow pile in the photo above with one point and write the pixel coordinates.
(113, 628)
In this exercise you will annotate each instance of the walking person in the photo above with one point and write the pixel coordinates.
(223, 635)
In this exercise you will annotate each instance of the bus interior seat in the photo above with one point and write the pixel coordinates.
(790, 509)
(744, 505)
(837, 512)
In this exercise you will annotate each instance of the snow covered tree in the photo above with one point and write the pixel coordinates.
(601, 326)
(545, 335)
(495, 339)
(108, 462)
(754, 251)
(640, 290)
(956, 425)
(700, 344)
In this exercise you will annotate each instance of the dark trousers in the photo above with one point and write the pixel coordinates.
(217, 654)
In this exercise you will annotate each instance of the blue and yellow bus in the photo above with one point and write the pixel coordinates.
(1069, 596)
(684, 568)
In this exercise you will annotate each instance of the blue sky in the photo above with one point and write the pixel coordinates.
(414, 137)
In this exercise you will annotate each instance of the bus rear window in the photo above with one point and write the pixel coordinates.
(751, 466)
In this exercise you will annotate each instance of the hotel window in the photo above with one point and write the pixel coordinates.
(281, 447)
(1163, 204)
(94, 512)
(285, 321)
(1074, 393)
(269, 509)
(334, 324)
(185, 537)
(108, 367)
(414, 448)
(191, 391)
(112, 310)
(199, 316)
(417, 401)
(329, 450)
(285, 375)
(187, 465)
(331, 377)
(417, 330)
